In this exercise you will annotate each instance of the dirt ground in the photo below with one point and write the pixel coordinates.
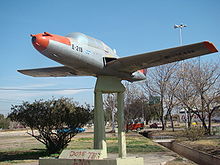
(17, 141)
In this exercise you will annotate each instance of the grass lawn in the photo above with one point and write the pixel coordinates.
(134, 144)
(175, 134)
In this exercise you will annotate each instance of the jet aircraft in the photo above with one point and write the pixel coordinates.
(82, 55)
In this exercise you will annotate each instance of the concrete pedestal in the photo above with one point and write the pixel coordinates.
(88, 157)
(116, 161)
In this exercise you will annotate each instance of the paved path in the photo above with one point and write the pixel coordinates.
(159, 158)
(156, 158)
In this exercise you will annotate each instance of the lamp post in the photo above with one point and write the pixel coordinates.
(181, 26)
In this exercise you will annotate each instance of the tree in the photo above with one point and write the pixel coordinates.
(4, 122)
(205, 81)
(170, 101)
(135, 102)
(198, 91)
(154, 107)
(110, 101)
(135, 108)
(136, 105)
(51, 118)
(185, 92)
(157, 84)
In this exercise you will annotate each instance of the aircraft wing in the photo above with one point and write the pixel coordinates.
(60, 71)
(133, 63)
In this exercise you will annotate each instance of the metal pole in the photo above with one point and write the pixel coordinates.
(181, 39)
(181, 26)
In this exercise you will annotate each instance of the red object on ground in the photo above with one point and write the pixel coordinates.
(136, 126)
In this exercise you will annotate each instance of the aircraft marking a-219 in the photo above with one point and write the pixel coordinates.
(82, 55)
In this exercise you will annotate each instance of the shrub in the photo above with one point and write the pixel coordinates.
(50, 116)
(194, 133)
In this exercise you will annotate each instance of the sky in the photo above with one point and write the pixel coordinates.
(130, 27)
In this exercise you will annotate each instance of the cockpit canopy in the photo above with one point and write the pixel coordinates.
(82, 38)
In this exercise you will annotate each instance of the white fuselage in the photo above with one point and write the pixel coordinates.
(87, 60)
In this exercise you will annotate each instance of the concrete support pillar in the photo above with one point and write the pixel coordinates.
(108, 84)
(99, 123)
(121, 126)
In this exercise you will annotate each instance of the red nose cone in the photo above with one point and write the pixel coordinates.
(41, 40)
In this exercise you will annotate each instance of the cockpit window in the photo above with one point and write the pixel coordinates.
(86, 40)
(79, 37)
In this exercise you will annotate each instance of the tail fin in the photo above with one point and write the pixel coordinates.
(144, 71)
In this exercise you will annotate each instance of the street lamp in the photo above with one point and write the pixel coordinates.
(181, 26)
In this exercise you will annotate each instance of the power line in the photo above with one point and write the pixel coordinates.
(35, 89)
(7, 101)
(2, 99)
